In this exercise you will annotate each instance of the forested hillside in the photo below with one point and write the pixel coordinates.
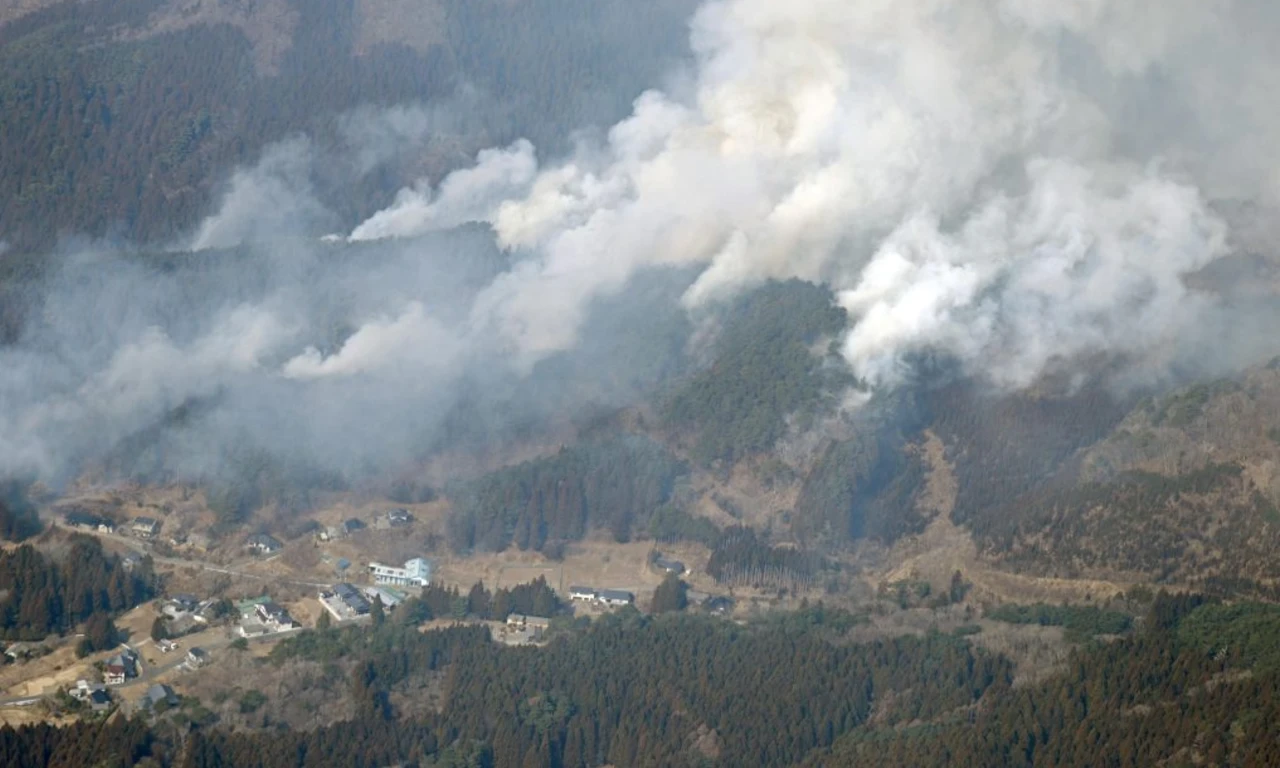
(764, 372)
(1193, 689)
(44, 594)
(862, 487)
(122, 119)
(1196, 685)
(673, 690)
(613, 484)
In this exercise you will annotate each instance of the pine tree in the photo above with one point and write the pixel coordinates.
(670, 595)
(158, 630)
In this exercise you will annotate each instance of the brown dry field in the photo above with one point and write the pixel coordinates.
(62, 668)
(16, 716)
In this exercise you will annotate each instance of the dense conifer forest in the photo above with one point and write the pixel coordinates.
(1196, 684)
(108, 128)
(45, 594)
(613, 484)
(763, 371)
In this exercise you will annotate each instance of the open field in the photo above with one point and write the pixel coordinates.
(589, 563)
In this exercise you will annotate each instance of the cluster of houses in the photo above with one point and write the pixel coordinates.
(609, 598)
(98, 697)
(347, 602)
(141, 527)
(392, 518)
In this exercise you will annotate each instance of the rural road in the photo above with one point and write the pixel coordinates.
(141, 546)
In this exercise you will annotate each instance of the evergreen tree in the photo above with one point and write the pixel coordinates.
(159, 631)
(670, 595)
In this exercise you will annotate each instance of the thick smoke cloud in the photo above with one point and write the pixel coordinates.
(272, 200)
(1013, 183)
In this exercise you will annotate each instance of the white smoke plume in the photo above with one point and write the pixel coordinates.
(272, 200)
(971, 177)
(1010, 183)
(379, 344)
(464, 196)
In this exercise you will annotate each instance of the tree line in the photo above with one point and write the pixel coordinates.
(46, 594)
(613, 483)
(1151, 699)
(680, 690)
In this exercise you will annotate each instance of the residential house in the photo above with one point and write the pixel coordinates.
(720, 606)
(342, 530)
(395, 518)
(275, 617)
(82, 520)
(114, 674)
(185, 624)
(615, 598)
(519, 621)
(95, 695)
(264, 544)
(83, 689)
(582, 594)
(523, 630)
(180, 605)
(144, 527)
(251, 629)
(612, 598)
(119, 668)
(248, 608)
(197, 657)
(670, 566)
(389, 598)
(99, 700)
(416, 572)
(131, 561)
(158, 695)
(17, 651)
(206, 611)
(345, 602)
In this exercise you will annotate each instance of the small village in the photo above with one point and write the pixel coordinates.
(184, 634)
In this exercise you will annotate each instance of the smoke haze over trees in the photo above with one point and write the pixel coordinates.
(1002, 192)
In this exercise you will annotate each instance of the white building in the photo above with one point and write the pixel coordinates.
(416, 572)
(613, 598)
